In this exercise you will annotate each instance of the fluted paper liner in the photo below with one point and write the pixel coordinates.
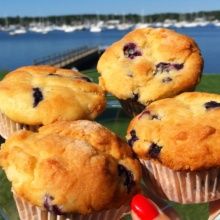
(183, 186)
(28, 211)
(8, 127)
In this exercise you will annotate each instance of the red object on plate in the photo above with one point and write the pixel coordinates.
(144, 208)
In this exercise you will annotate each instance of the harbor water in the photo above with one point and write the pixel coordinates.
(19, 50)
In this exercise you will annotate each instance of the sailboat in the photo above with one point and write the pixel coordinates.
(19, 29)
(182, 22)
(68, 28)
(7, 27)
(111, 24)
(123, 26)
(96, 28)
(43, 27)
(169, 23)
(142, 24)
(216, 23)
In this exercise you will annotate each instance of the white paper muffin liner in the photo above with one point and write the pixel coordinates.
(183, 186)
(28, 211)
(8, 127)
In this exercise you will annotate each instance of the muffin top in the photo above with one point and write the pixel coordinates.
(77, 167)
(182, 133)
(37, 95)
(150, 64)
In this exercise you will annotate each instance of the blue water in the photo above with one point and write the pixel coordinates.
(21, 50)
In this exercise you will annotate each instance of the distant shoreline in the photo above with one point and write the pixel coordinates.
(123, 18)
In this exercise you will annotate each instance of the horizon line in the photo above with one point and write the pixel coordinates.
(116, 14)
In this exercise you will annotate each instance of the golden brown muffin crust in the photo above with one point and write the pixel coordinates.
(80, 166)
(147, 59)
(182, 133)
(37, 95)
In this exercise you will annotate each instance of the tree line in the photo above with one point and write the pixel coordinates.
(91, 18)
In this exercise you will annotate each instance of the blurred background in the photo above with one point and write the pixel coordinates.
(45, 31)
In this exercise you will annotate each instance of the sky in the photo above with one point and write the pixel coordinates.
(64, 7)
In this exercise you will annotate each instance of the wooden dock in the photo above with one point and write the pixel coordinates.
(79, 58)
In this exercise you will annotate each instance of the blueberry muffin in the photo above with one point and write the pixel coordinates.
(70, 167)
(38, 95)
(149, 64)
(178, 142)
